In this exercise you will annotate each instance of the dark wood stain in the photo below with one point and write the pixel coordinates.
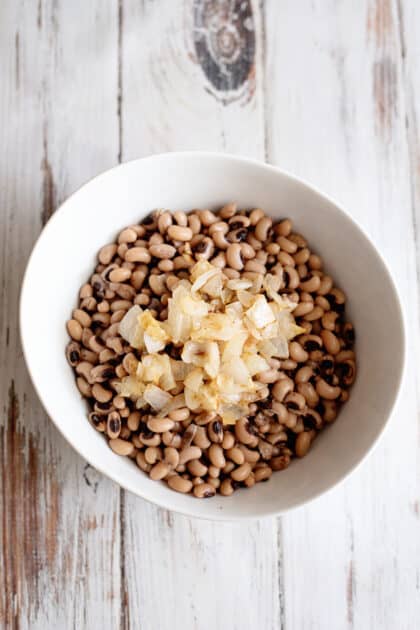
(385, 93)
(379, 21)
(48, 185)
(224, 42)
(350, 593)
(39, 15)
(30, 507)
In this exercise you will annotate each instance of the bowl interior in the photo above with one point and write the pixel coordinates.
(65, 255)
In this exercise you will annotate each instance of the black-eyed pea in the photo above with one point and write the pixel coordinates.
(216, 455)
(164, 221)
(207, 217)
(303, 272)
(214, 471)
(291, 421)
(141, 462)
(321, 301)
(219, 239)
(196, 468)
(242, 432)
(160, 425)
(120, 274)
(150, 439)
(236, 455)
(101, 394)
(304, 374)
(122, 447)
(228, 211)
(180, 484)
(250, 456)
(295, 402)
(119, 402)
(280, 410)
(302, 256)
(284, 228)
(303, 308)
(215, 431)
(228, 440)
(312, 285)
(226, 488)
(194, 223)
(204, 491)
(189, 453)
(282, 388)
(152, 454)
(249, 482)
(303, 443)
(74, 329)
(133, 420)
(120, 371)
(254, 242)
(325, 286)
(312, 420)
(201, 439)
(247, 251)
(242, 472)
(280, 463)
(255, 266)
(128, 235)
(286, 245)
(137, 254)
(159, 471)
(234, 257)
(315, 262)
(228, 467)
(329, 392)
(262, 473)
(263, 228)
(155, 239)
(171, 456)
(331, 343)
(205, 417)
(214, 481)
(180, 233)
(308, 391)
(314, 314)
(297, 353)
(107, 253)
(84, 387)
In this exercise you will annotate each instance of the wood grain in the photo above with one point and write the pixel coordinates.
(327, 90)
(194, 563)
(59, 520)
(355, 549)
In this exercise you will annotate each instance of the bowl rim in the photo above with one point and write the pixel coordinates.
(240, 160)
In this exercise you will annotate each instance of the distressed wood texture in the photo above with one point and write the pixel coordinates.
(59, 528)
(328, 90)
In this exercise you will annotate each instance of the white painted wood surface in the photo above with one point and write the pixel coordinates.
(333, 95)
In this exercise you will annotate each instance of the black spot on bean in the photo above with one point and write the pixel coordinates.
(311, 345)
(217, 427)
(201, 247)
(309, 422)
(74, 356)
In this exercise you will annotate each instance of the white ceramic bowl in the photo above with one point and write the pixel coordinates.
(64, 256)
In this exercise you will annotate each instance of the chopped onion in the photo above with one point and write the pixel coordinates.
(157, 398)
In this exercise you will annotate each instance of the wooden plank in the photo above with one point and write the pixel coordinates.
(336, 111)
(181, 572)
(59, 518)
